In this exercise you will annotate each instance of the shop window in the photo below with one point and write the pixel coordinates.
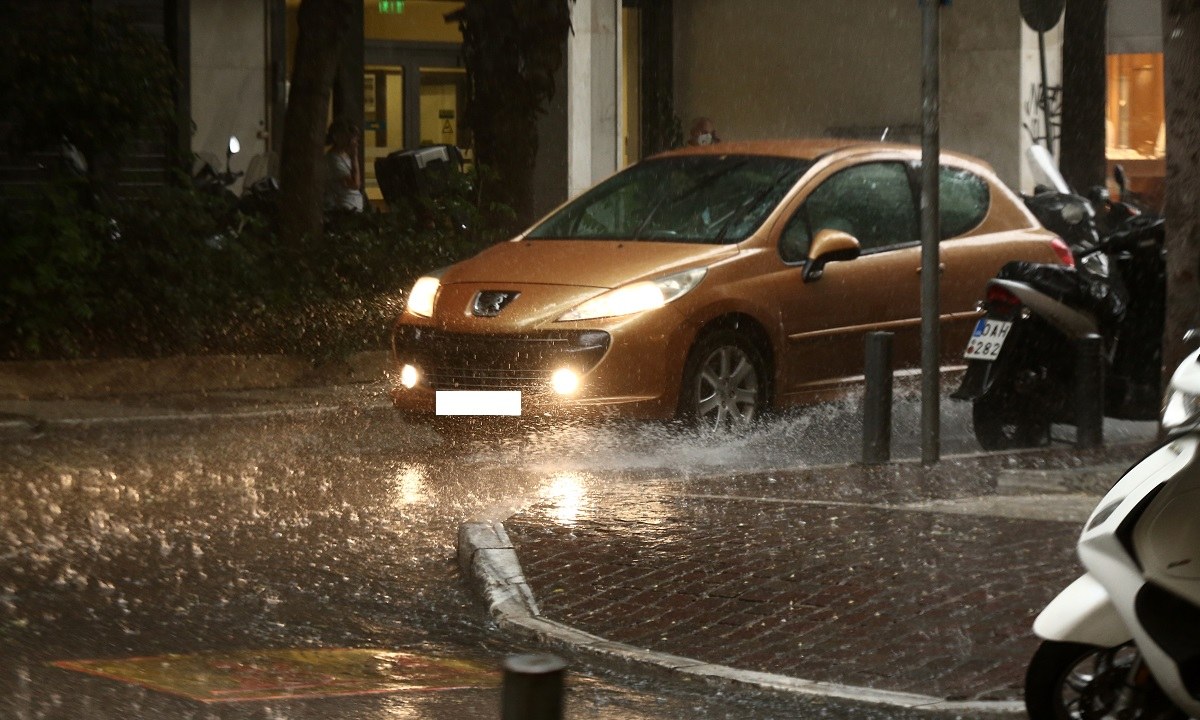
(1135, 125)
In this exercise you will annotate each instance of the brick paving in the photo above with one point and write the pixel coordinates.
(859, 594)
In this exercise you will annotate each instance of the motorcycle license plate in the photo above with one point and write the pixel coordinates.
(987, 339)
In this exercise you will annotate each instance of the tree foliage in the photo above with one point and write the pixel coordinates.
(86, 77)
(512, 50)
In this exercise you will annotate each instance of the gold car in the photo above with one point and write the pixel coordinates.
(710, 283)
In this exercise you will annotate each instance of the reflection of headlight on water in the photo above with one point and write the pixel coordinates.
(567, 492)
(408, 486)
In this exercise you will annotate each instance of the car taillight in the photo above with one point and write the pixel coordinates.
(1063, 252)
(1001, 300)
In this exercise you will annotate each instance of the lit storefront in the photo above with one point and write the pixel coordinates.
(1135, 127)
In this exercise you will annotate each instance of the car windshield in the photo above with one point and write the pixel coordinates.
(692, 198)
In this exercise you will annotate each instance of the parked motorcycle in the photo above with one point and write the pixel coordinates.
(1123, 641)
(1021, 357)
(207, 175)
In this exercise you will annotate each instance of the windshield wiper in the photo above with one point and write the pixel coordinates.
(699, 185)
(789, 174)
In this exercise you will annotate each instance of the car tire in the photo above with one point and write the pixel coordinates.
(725, 382)
(1070, 681)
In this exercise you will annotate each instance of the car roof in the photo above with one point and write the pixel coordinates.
(809, 149)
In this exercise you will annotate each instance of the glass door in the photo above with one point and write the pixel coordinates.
(383, 121)
(442, 91)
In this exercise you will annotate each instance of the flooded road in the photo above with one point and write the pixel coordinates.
(224, 533)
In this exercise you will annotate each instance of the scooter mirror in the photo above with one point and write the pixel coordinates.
(235, 147)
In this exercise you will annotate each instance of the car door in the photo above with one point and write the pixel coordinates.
(824, 320)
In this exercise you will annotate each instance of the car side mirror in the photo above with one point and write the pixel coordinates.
(830, 246)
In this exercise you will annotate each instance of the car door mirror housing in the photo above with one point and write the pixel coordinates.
(830, 246)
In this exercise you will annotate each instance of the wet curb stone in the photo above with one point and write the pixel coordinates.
(489, 559)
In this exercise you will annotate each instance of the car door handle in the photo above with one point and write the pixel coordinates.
(941, 268)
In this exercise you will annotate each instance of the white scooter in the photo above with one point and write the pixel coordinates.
(1123, 641)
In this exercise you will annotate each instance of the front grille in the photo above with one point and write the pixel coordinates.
(464, 361)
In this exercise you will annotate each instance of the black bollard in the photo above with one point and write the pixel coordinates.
(877, 399)
(533, 687)
(1089, 391)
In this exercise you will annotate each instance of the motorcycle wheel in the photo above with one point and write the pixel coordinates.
(1003, 422)
(1072, 681)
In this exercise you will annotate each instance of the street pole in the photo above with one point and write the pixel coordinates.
(930, 233)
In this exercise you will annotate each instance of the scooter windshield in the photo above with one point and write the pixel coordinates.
(1045, 172)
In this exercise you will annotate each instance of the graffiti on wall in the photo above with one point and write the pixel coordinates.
(1034, 118)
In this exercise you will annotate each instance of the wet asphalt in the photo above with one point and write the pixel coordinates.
(190, 524)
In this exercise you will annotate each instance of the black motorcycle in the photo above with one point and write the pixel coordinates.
(1021, 357)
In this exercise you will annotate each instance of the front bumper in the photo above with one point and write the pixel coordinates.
(627, 367)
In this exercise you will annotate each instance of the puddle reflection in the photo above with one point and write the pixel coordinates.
(410, 485)
(567, 492)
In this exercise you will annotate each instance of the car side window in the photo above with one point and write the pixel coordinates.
(873, 202)
(793, 242)
(964, 199)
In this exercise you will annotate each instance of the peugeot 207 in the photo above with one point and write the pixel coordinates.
(710, 283)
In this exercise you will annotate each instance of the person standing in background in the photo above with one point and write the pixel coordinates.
(703, 132)
(343, 176)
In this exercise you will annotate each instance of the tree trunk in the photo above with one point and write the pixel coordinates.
(1181, 56)
(323, 27)
(1081, 143)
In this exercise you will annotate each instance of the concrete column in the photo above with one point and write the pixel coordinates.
(593, 83)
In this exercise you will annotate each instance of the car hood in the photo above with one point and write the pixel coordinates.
(581, 263)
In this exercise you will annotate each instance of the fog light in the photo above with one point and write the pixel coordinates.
(409, 376)
(565, 381)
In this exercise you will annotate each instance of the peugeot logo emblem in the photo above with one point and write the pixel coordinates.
(489, 303)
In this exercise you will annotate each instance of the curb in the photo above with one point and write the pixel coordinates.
(487, 556)
(87, 379)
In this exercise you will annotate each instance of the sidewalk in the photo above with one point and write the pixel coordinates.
(896, 585)
(34, 395)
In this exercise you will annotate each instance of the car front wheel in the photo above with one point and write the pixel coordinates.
(724, 382)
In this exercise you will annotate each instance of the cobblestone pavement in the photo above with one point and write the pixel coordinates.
(916, 585)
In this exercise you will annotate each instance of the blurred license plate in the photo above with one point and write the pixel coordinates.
(988, 338)
(478, 402)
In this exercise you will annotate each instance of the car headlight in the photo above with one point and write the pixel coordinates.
(637, 297)
(422, 295)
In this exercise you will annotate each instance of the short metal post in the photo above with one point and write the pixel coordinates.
(1089, 391)
(533, 687)
(877, 399)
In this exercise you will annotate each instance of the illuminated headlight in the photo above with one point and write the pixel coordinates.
(1180, 409)
(637, 297)
(422, 295)
(409, 376)
(565, 381)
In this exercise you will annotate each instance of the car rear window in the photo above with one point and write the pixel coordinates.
(964, 199)
(691, 198)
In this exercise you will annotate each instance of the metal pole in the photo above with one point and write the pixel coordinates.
(930, 233)
(533, 687)
(1089, 391)
(877, 400)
